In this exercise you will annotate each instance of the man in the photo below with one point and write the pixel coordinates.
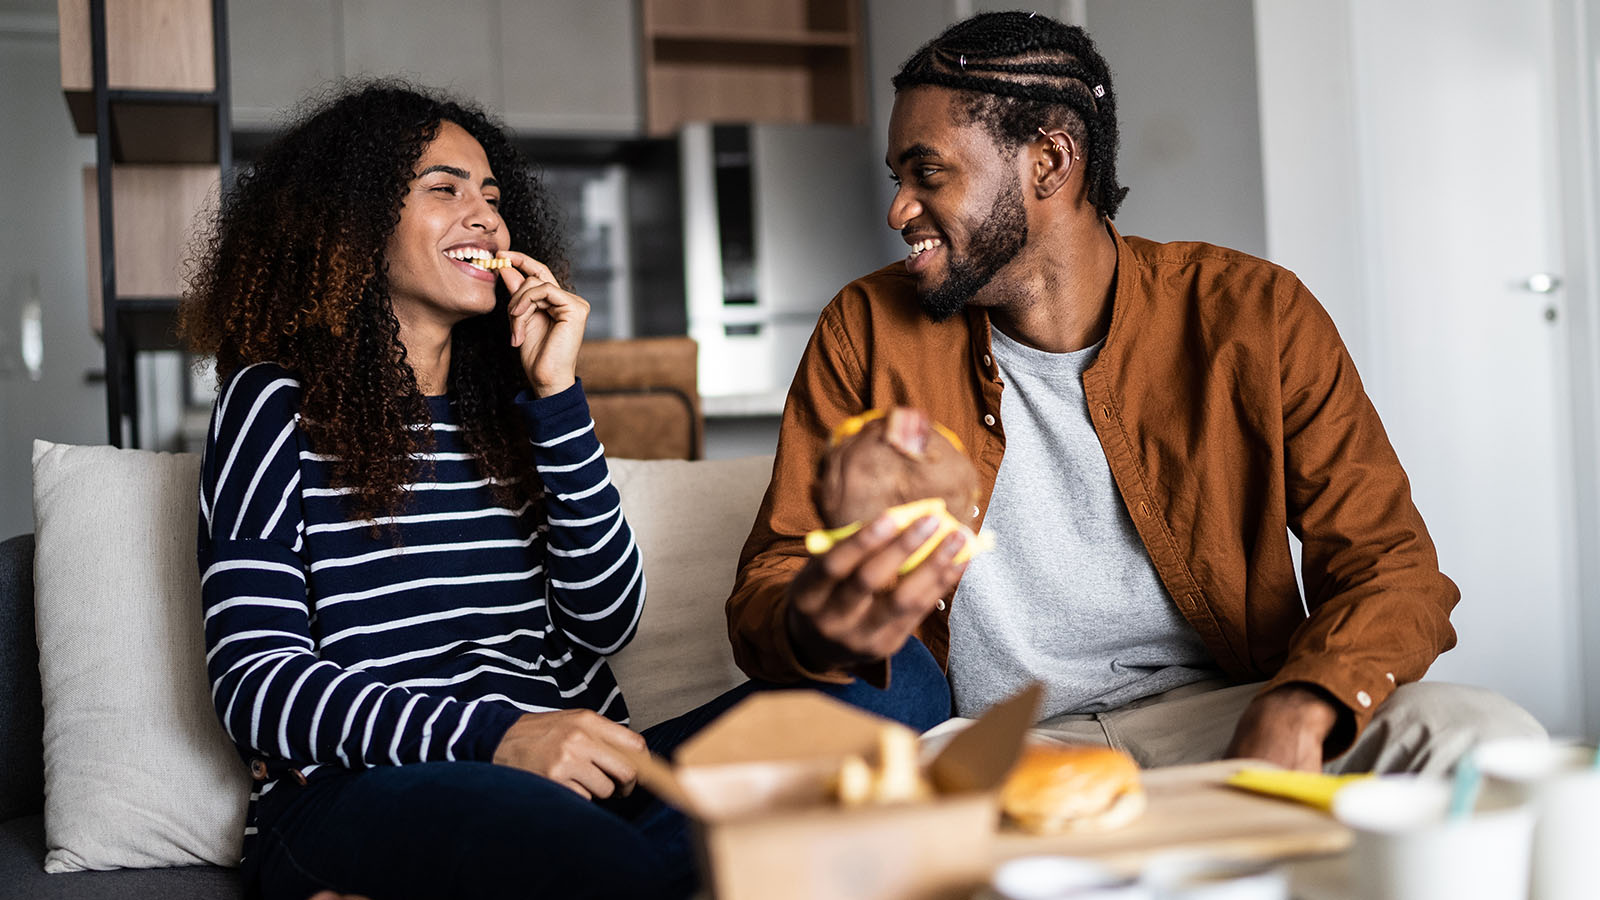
(1149, 422)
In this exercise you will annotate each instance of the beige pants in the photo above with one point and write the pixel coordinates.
(1422, 727)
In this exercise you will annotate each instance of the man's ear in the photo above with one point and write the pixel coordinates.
(1056, 158)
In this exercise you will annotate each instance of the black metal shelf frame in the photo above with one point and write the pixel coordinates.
(133, 325)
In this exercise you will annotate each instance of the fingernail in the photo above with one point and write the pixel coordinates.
(881, 527)
(924, 526)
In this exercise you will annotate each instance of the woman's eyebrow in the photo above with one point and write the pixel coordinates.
(462, 174)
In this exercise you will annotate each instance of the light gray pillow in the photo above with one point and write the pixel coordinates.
(138, 772)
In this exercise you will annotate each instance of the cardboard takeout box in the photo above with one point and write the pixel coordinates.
(758, 783)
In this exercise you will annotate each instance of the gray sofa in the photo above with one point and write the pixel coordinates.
(22, 872)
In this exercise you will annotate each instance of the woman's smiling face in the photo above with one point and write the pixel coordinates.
(451, 209)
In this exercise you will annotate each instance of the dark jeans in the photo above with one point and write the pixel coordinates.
(465, 829)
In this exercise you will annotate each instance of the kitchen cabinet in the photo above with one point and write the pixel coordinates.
(784, 61)
(281, 51)
(452, 46)
(544, 66)
(570, 66)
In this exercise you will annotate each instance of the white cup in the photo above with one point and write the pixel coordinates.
(1407, 848)
(1561, 783)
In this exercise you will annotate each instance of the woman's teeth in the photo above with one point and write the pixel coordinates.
(919, 246)
(482, 259)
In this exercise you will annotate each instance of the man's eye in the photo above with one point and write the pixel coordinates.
(444, 189)
(493, 201)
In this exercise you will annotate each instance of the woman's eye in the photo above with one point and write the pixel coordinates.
(444, 189)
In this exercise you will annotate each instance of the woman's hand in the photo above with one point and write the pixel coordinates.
(575, 748)
(546, 323)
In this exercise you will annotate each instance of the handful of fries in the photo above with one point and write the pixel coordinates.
(897, 778)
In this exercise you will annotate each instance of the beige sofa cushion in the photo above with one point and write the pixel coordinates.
(138, 772)
(690, 519)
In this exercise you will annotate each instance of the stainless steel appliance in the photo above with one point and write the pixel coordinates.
(776, 219)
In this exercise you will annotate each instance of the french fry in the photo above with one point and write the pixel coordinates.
(822, 540)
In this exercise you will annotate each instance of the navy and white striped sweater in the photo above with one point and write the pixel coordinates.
(329, 647)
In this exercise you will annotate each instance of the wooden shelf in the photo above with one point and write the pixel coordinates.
(670, 34)
(156, 208)
(161, 102)
(791, 61)
(149, 80)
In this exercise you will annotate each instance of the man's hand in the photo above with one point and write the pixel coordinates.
(850, 606)
(575, 748)
(1287, 726)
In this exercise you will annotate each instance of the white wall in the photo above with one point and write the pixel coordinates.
(1390, 215)
(41, 234)
(1185, 76)
(1186, 88)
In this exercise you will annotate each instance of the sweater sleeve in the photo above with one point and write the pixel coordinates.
(272, 691)
(595, 572)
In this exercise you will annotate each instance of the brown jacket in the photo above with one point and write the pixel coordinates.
(1230, 414)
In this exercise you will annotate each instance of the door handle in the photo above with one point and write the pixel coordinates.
(1541, 283)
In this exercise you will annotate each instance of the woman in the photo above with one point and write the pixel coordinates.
(413, 561)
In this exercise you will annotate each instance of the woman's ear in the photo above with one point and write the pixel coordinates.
(1055, 159)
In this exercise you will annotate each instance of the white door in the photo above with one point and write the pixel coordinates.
(1455, 191)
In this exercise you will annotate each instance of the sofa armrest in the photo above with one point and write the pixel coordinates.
(21, 709)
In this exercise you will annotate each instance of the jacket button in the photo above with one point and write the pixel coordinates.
(975, 512)
(987, 361)
(988, 420)
(939, 604)
(1390, 676)
(1363, 698)
(258, 770)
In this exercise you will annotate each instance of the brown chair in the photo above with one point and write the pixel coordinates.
(644, 396)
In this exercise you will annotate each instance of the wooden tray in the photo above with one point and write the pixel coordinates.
(1191, 809)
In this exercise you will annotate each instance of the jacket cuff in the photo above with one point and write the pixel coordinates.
(1356, 689)
(875, 674)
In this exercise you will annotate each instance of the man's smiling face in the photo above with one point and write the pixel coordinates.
(958, 204)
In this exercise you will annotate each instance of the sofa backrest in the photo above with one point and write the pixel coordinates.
(21, 714)
(690, 519)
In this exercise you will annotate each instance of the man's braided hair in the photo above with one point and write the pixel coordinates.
(1020, 71)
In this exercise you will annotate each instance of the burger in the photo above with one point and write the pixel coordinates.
(1060, 788)
(900, 461)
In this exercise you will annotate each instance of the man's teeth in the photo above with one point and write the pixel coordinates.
(919, 246)
(474, 256)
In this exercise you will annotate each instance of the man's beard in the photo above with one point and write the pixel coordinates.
(994, 242)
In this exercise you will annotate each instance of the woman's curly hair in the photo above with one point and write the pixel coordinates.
(293, 272)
